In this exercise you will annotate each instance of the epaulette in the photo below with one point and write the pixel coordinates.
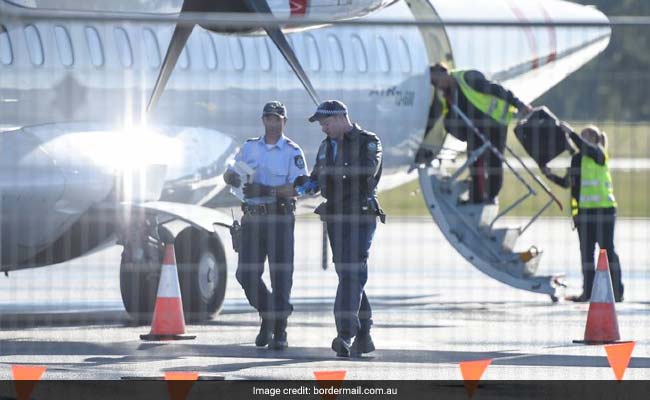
(293, 144)
(370, 135)
(254, 139)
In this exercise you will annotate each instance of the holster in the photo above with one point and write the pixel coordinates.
(375, 208)
(235, 235)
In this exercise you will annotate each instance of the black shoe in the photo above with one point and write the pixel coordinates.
(579, 299)
(341, 346)
(618, 294)
(279, 341)
(362, 344)
(264, 337)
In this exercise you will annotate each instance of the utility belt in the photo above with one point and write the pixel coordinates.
(283, 207)
(370, 208)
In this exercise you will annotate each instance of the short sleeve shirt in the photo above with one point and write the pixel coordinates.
(275, 165)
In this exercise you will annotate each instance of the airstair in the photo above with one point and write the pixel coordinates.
(477, 231)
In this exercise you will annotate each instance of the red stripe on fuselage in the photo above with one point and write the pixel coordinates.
(298, 7)
(532, 42)
(552, 34)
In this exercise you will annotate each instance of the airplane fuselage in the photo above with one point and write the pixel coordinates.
(69, 90)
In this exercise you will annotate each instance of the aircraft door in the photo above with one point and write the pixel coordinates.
(469, 228)
(438, 49)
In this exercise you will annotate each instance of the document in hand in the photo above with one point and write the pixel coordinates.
(246, 174)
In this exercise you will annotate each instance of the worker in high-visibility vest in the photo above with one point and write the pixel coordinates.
(593, 205)
(490, 107)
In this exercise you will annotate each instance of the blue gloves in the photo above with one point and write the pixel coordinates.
(305, 186)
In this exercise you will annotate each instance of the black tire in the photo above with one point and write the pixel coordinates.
(139, 285)
(202, 274)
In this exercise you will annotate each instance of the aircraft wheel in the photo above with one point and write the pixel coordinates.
(202, 273)
(138, 285)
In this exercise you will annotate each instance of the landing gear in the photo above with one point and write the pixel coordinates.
(202, 274)
(201, 267)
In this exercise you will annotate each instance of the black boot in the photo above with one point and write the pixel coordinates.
(279, 341)
(341, 346)
(264, 337)
(362, 342)
(583, 298)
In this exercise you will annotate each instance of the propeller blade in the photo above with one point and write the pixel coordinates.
(277, 36)
(176, 45)
(182, 33)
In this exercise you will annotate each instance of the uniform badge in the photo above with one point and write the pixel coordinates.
(300, 163)
(372, 146)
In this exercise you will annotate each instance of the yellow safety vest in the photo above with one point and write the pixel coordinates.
(596, 188)
(496, 108)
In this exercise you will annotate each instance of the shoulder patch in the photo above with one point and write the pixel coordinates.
(372, 146)
(299, 161)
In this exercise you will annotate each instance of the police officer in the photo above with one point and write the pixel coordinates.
(593, 205)
(490, 107)
(347, 171)
(267, 228)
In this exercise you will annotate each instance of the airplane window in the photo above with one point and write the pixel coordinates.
(405, 56)
(209, 51)
(337, 53)
(382, 54)
(313, 55)
(360, 56)
(124, 47)
(34, 45)
(64, 45)
(95, 48)
(236, 53)
(153, 51)
(6, 53)
(264, 53)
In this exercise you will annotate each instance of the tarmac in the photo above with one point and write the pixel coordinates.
(432, 310)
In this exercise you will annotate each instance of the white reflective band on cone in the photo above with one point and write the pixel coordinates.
(168, 286)
(602, 291)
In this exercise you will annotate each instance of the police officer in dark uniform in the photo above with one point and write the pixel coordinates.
(347, 171)
(267, 228)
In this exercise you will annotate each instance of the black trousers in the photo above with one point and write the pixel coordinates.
(267, 236)
(487, 171)
(350, 238)
(597, 226)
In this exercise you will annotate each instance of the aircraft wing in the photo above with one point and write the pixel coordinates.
(199, 217)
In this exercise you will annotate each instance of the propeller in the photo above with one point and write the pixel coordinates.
(182, 33)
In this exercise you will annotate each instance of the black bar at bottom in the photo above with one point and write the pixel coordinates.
(386, 389)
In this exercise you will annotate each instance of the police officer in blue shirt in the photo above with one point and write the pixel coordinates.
(347, 171)
(268, 223)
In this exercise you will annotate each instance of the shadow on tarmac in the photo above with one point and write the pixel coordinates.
(114, 354)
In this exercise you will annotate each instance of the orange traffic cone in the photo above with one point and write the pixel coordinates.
(602, 325)
(168, 320)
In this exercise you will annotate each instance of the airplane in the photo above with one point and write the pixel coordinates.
(119, 129)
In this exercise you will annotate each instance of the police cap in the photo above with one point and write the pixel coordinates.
(327, 109)
(275, 108)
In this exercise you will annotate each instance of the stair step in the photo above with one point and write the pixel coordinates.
(507, 237)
